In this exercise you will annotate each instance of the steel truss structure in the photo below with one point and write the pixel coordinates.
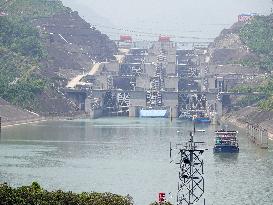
(116, 103)
(191, 184)
(95, 103)
(189, 102)
(110, 82)
(123, 102)
(109, 102)
(154, 99)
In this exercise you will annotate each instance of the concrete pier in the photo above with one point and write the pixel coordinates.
(258, 135)
(94, 114)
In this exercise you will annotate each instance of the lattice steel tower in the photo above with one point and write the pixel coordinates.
(191, 184)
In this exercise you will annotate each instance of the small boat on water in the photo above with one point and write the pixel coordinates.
(226, 142)
(201, 118)
(200, 130)
(195, 116)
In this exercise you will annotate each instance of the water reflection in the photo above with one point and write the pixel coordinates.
(120, 155)
(227, 158)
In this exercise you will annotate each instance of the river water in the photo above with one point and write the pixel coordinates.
(129, 156)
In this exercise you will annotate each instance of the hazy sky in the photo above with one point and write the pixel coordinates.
(202, 18)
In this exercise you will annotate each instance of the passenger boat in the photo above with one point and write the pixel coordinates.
(226, 142)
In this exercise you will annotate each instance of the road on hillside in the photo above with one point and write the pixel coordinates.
(76, 81)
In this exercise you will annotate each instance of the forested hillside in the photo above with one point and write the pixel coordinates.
(257, 35)
(32, 60)
(20, 51)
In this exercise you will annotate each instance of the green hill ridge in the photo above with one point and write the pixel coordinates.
(30, 62)
(257, 35)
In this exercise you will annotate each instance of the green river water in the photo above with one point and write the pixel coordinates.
(130, 156)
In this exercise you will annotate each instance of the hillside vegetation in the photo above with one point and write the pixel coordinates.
(34, 194)
(21, 49)
(264, 101)
(258, 36)
(34, 64)
(20, 52)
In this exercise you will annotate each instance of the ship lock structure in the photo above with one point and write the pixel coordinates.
(161, 79)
